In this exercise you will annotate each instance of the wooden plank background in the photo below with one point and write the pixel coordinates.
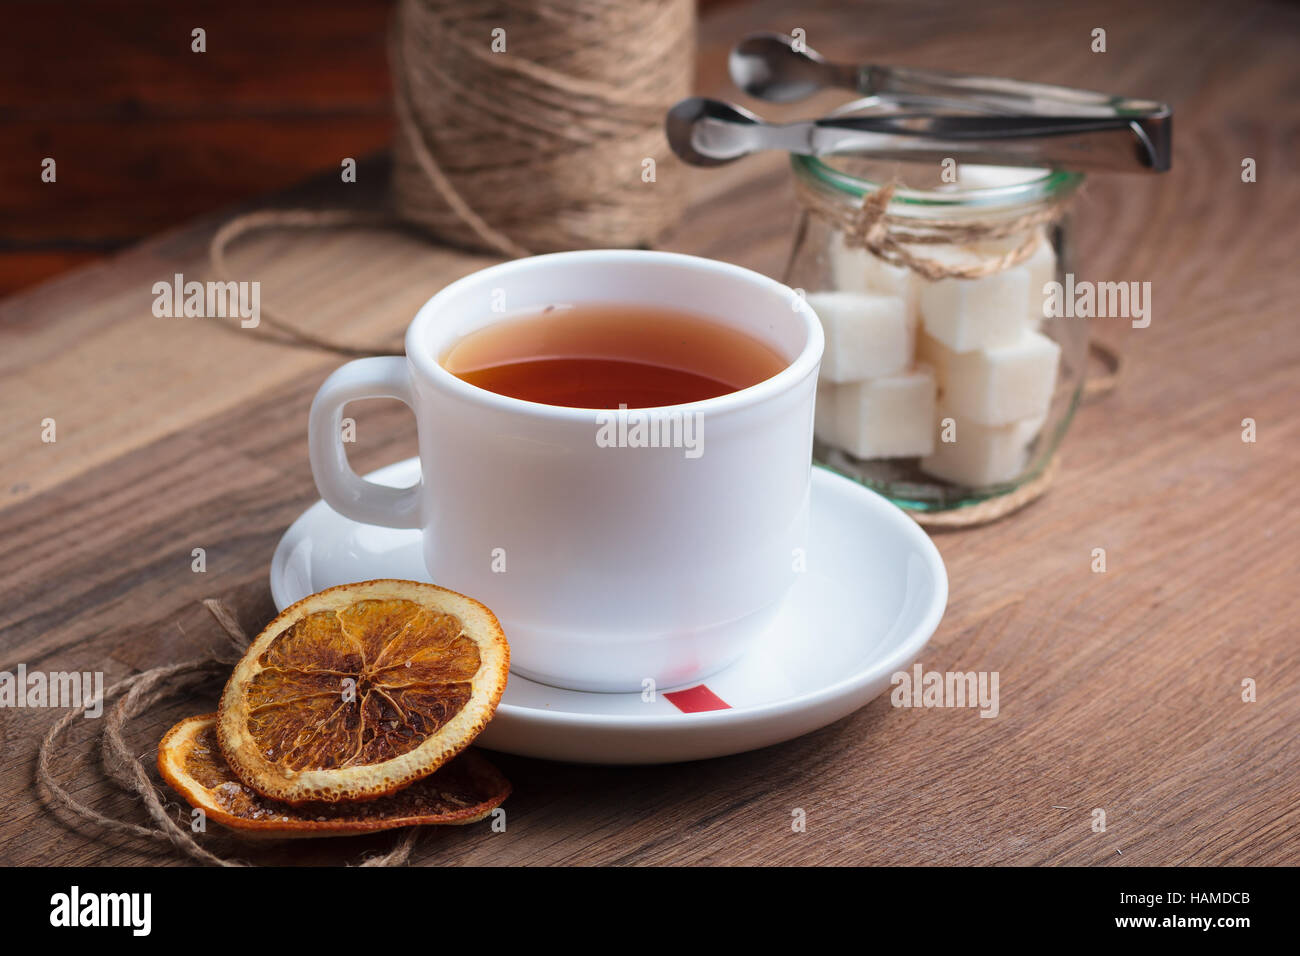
(1119, 690)
(148, 133)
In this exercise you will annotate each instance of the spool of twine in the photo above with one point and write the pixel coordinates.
(537, 125)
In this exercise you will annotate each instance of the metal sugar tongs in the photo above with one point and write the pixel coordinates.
(980, 119)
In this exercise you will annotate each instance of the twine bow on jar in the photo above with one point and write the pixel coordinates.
(890, 237)
(527, 127)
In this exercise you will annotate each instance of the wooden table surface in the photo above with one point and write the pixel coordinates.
(1120, 690)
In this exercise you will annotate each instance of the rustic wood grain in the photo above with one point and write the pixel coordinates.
(1119, 690)
(148, 133)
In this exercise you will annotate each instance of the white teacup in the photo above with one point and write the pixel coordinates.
(607, 566)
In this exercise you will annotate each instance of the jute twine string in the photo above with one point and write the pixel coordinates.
(888, 236)
(141, 692)
(283, 328)
(991, 509)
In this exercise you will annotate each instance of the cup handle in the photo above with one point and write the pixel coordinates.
(345, 492)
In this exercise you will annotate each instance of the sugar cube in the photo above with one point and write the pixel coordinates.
(1041, 266)
(887, 417)
(934, 354)
(826, 419)
(857, 270)
(979, 454)
(866, 335)
(996, 386)
(1030, 428)
(967, 314)
(981, 176)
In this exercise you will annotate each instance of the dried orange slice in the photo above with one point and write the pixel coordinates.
(464, 790)
(361, 689)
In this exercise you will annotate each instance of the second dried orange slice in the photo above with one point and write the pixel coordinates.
(357, 691)
(463, 790)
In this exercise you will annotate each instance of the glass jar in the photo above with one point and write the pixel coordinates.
(946, 391)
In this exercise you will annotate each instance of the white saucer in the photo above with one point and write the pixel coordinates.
(873, 593)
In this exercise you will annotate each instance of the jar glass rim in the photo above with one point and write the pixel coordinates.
(1053, 183)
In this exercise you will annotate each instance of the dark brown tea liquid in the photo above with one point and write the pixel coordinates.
(606, 356)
